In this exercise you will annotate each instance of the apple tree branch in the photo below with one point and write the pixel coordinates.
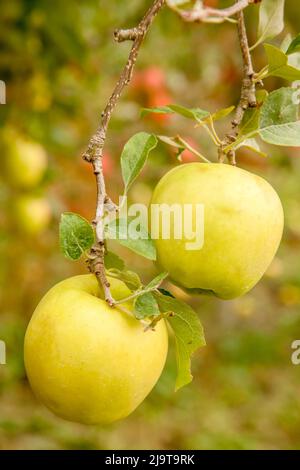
(94, 152)
(203, 14)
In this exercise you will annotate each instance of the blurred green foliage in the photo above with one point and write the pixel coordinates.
(60, 63)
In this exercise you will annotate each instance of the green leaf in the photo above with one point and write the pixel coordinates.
(278, 64)
(251, 116)
(286, 42)
(283, 134)
(76, 235)
(253, 145)
(294, 46)
(188, 331)
(171, 141)
(139, 242)
(271, 20)
(145, 306)
(222, 113)
(279, 108)
(130, 278)
(113, 261)
(157, 110)
(279, 123)
(157, 281)
(191, 113)
(134, 156)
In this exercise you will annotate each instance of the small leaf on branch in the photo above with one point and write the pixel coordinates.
(130, 278)
(253, 145)
(145, 306)
(188, 331)
(193, 113)
(113, 261)
(196, 114)
(137, 241)
(222, 113)
(279, 123)
(294, 46)
(278, 64)
(172, 141)
(250, 122)
(134, 156)
(156, 282)
(156, 110)
(76, 235)
(279, 108)
(283, 134)
(271, 20)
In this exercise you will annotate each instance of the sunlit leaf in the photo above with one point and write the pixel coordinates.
(271, 20)
(189, 335)
(140, 243)
(134, 156)
(113, 261)
(279, 108)
(191, 113)
(145, 306)
(76, 235)
(278, 64)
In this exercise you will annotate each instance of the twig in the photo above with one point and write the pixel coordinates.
(248, 89)
(248, 97)
(94, 152)
(204, 14)
(201, 13)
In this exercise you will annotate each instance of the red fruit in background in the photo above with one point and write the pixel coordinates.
(188, 156)
(137, 81)
(156, 100)
(154, 79)
(108, 163)
(149, 80)
(230, 74)
(211, 3)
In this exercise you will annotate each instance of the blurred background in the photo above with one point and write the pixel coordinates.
(60, 63)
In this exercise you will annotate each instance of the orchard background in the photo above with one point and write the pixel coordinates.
(59, 63)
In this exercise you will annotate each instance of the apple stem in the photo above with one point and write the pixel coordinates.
(94, 151)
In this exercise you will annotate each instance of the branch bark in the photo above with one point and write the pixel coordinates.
(94, 152)
(248, 98)
(248, 89)
(204, 14)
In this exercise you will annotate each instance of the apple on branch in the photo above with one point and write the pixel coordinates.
(87, 362)
(243, 224)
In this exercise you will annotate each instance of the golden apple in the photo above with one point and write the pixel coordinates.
(87, 362)
(32, 213)
(243, 223)
(26, 161)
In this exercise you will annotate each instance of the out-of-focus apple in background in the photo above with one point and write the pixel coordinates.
(25, 161)
(32, 214)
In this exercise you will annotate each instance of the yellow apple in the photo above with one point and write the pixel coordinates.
(243, 223)
(32, 214)
(26, 161)
(87, 362)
